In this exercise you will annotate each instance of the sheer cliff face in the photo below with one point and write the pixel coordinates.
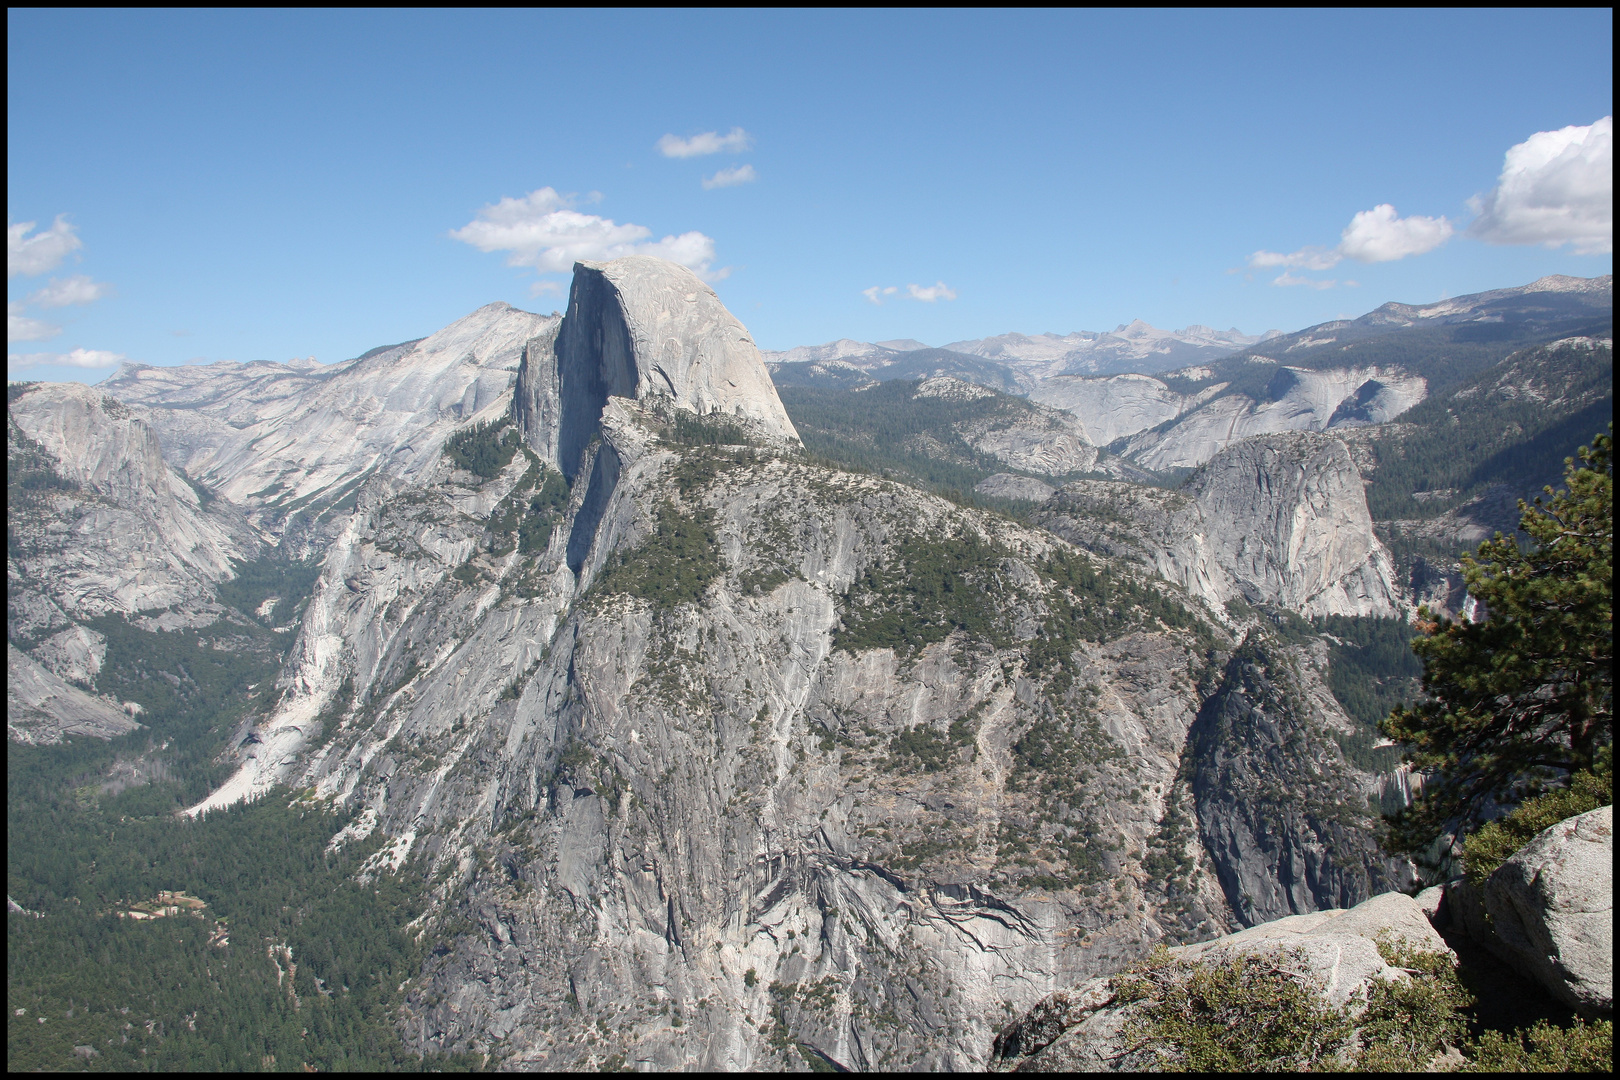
(1286, 835)
(643, 329)
(1279, 519)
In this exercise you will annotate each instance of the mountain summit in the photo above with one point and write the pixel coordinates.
(645, 329)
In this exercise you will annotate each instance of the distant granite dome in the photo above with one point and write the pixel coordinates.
(642, 328)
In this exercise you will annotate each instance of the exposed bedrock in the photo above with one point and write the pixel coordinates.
(1278, 519)
(1288, 829)
(649, 330)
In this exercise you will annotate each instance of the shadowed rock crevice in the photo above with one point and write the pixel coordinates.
(594, 360)
(605, 471)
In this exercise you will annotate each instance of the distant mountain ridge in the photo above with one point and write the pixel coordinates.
(1548, 308)
(1129, 347)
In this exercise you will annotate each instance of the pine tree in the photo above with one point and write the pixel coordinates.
(1523, 697)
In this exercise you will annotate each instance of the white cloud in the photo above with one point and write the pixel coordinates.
(1556, 188)
(1379, 235)
(1288, 277)
(546, 288)
(60, 292)
(42, 252)
(710, 142)
(741, 174)
(1376, 235)
(937, 291)
(1306, 258)
(539, 230)
(21, 328)
(84, 358)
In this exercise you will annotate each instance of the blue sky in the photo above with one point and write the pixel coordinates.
(264, 186)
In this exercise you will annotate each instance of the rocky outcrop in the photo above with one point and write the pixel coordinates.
(1280, 520)
(1548, 912)
(1290, 520)
(42, 708)
(1008, 486)
(1082, 1029)
(641, 327)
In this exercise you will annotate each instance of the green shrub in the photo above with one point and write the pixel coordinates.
(1493, 844)
(715, 430)
(1255, 1013)
(928, 748)
(545, 510)
(1246, 1014)
(1582, 1047)
(1410, 1021)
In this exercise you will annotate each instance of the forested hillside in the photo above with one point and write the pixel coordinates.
(1513, 423)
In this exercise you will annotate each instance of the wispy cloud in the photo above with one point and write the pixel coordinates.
(542, 231)
(60, 292)
(1373, 236)
(710, 142)
(36, 254)
(20, 327)
(1288, 277)
(937, 291)
(1556, 188)
(1307, 258)
(546, 288)
(42, 252)
(740, 174)
(81, 358)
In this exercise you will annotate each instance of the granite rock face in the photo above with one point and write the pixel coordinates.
(707, 809)
(128, 532)
(1008, 486)
(286, 442)
(1551, 910)
(1280, 519)
(1142, 418)
(1286, 834)
(1082, 1029)
(43, 708)
(1290, 519)
(99, 524)
(711, 810)
(641, 327)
